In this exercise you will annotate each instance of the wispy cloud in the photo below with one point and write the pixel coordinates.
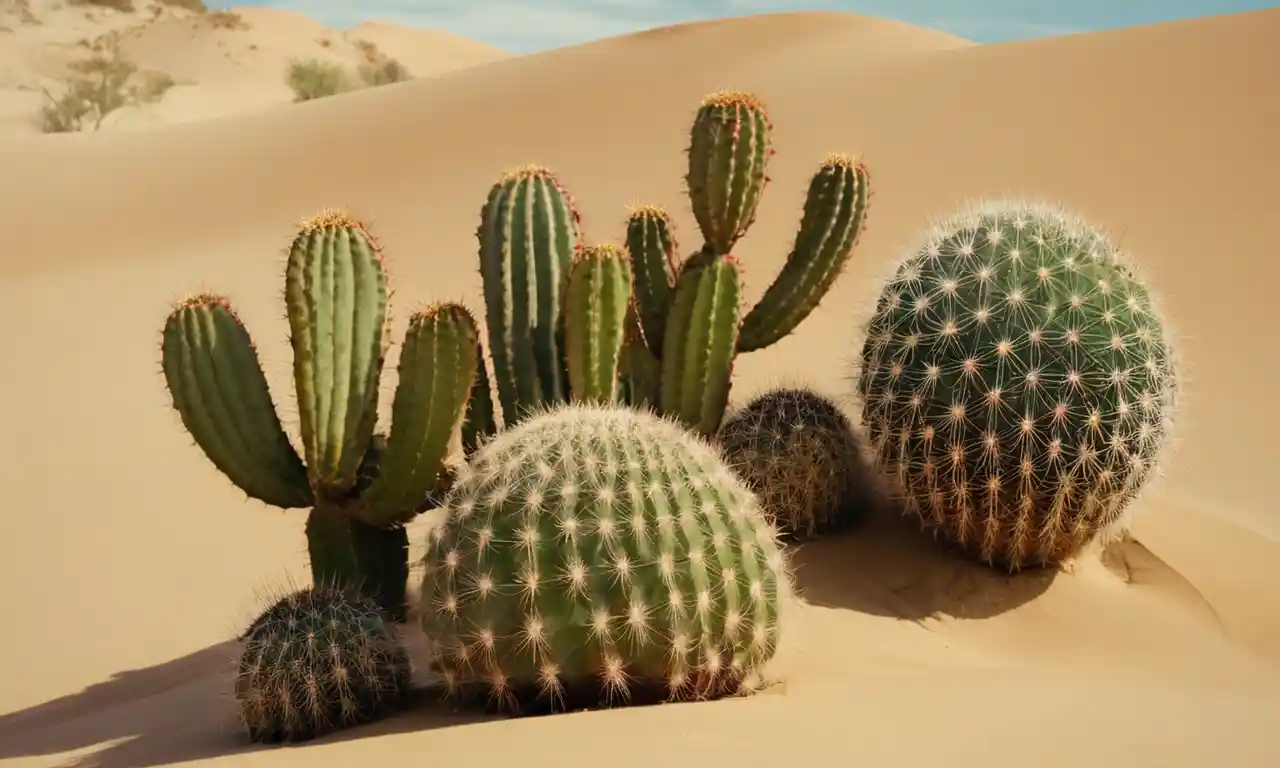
(523, 26)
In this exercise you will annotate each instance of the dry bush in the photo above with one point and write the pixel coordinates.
(226, 20)
(378, 68)
(315, 79)
(191, 5)
(124, 6)
(101, 85)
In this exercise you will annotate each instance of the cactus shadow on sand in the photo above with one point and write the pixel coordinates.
(887, 566)
(170, 713)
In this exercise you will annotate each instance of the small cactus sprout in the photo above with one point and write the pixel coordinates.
(599, 555)
(729, 152)
(362, 488)
(1018, 383)
(798, 452)
(317, 661)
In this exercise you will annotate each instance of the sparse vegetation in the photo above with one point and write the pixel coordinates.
(191, 5)
(226, 20)
(378, 68)
(101, 84)
(314, 79)
(124, 6)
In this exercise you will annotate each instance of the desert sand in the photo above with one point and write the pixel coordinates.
(129, 562)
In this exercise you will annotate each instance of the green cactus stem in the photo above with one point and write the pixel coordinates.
(653, 250)
(436, 371)
(479, 422)
(596, 307)
(729, 150)
(833, 216)
(218, 388)
(529, 231)
(336, 294)
(701, 340)
(641, 371)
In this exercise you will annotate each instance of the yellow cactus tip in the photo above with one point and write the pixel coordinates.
(646, 211)
(732, 99)
(600, 252)
(201, 300)
(327, 218)
(841, 160)
(526, 171)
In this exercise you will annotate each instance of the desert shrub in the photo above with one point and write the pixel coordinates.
(191, 5)
(226, 20)
(101, 84)
(383, 72)
(314, 79)
(124, 6)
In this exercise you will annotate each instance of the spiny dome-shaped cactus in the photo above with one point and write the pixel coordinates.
(594, 555)
(316, 661)
(798, 452)
(1017, 383)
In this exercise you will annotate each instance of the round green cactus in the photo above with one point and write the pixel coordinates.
(594, 555)
(798, 452)
(316, 661)
(1018, 383)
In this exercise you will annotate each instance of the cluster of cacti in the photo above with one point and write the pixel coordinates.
(336, 296)
(599, 555)
(1017, 382)
(316, 661)
(688, 325)
(798, 452)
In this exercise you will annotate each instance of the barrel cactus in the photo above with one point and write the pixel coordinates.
(798, 452)
(599, 555)
(316, 661)
(1018, 383)
(687, 318)
(336, 299)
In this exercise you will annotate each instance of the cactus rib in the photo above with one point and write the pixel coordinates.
(700, 343)
(528, 232)
(336, 294)
(834, 214)
(218, 388)
(729, 150)
(596, 307)
(436, 369)
(653, 251)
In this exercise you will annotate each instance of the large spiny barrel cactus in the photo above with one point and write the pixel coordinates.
(316, 661)
(336, 298)
(1018, 383)
(597, 555)
(729, 151)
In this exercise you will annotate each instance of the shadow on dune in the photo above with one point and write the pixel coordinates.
(887, 567)
(171, 713)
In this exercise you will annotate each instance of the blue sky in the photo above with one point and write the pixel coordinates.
(524, 26)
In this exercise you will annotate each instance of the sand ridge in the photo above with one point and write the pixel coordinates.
(1162, 650)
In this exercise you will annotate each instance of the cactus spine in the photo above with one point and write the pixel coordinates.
(1017, 383)
(598, 555)
(336, 297)
(729, 150)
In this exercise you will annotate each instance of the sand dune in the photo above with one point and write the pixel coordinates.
(127, 551)
(221, 62)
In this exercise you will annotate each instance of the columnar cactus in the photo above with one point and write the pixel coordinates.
(798, 452)
(599, 555)
(336, 296)
(1018, 383)
(317, 661)
(730, 147)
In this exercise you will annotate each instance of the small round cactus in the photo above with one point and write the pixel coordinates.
(600, 556)
(318, 660)
(798, 452)
(1018, 384)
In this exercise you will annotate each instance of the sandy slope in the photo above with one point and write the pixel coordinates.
(126, 551)
(222, 64)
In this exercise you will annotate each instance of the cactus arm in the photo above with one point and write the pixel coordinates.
(700, 343)
(652, 248)
(219, 390)
(336, 295)
(729, 150)
(479, 423)
(834, 216)
(528, 232)
(437, 368)
(596, 307)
